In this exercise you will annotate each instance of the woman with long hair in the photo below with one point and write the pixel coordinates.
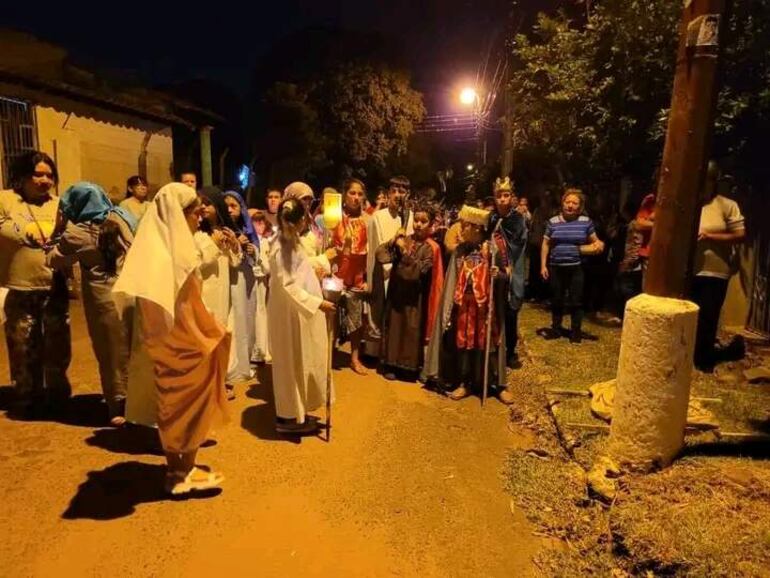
(97, 235)
(187, 346)
(136, 199)
(296, 326)
(243, 291)
(37, 326)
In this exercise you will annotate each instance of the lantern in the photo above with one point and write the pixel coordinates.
(332, 210)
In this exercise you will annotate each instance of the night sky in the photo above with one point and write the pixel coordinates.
(443, 41)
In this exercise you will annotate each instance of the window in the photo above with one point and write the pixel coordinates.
(17, 133)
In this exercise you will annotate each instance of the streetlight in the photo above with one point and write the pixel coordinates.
(468, 96)
(470, 168)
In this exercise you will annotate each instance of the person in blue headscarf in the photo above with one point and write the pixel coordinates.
(243, 289)
(96, 234)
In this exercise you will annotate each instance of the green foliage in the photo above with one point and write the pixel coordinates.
(592, 100)
(370, 111)
(350, 117)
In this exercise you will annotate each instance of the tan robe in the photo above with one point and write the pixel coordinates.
(190, 363)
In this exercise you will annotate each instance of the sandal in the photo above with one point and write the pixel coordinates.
(196, 480)
(459, 393)
(359, 368)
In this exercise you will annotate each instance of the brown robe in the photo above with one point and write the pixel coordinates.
(190, 364)
(406, 307)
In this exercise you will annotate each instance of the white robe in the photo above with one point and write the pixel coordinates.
(242, 318)
(297, 329)
(215, 274)
(261, 351)
(312, 246)
(382, 227)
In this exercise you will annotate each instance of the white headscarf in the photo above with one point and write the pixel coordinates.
(163, 254)
(297, 190)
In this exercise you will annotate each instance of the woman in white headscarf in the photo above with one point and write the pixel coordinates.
(296, 326)
(310, 235)
(187, 346)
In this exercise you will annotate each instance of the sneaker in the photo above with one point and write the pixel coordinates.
(576, 337)
(390, 376)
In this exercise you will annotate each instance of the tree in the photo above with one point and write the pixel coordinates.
(291, 142)
(587, 97)
(592, 97)
(370, 110)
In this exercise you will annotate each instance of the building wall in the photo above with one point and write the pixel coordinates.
(735, 311)
(104, 153)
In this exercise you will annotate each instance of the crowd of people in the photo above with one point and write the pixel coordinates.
(186, 294)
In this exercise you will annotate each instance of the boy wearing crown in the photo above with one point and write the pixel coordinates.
(455, 356)
(511, 225)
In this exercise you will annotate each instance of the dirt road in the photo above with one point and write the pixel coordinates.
(410, 485)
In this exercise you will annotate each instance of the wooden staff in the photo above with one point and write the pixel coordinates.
(490, 310)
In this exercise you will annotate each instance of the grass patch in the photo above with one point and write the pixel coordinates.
(707, 515)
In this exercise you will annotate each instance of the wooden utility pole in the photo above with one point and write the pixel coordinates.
(506, 164)
(686, 153)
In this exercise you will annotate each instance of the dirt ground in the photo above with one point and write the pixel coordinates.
(411, 484)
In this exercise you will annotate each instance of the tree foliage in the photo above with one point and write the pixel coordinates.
(592, 98)
(350, 118)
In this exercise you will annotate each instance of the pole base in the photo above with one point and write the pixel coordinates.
(653, 382)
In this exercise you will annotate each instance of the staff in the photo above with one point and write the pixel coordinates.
(490, 309)
(332, 290)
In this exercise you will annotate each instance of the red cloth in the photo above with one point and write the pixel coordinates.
(472, 296)
(436, 288)
(350, 240)
(646, 212)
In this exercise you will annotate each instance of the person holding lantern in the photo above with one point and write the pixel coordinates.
(311, 237)
(297, 327)
(350, 240)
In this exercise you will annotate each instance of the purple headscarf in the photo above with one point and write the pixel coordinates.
(248, 227)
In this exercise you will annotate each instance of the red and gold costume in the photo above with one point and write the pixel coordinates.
(351, 242)
(472, 297)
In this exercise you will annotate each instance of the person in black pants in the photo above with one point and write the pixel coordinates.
(722, 228)
(568, 237)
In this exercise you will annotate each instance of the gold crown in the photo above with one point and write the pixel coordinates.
(503, 185)
(474, 216)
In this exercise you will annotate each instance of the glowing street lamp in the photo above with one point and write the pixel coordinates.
(470, 168)
(468, 96)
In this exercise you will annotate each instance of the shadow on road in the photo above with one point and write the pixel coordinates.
(114, 492)
(259, 420)
(86, 410)
(131, 439)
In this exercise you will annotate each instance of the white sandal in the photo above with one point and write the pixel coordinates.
(195, 481)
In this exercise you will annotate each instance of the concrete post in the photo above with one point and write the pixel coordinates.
(653, 383)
